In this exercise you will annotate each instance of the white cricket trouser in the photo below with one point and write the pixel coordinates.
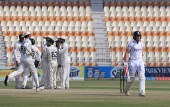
(136, 65)
(16, 77)
(25, 77)
(26, 63)
(59, 72)
(52, 67)
(65, 75)
(44, 77)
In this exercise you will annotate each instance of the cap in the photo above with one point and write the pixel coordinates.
(21, 36)
(27, 33)
(50, 40)
(57, 41)
(47, 37)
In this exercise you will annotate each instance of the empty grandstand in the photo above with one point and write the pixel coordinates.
(97, 31)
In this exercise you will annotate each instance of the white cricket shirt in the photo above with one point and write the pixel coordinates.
(135, 50)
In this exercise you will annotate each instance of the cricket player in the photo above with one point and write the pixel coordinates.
(51, 55)
(17, 56)
(25, 62)
(36, 57)
(44, 65)
(136, 63)
(59, 61)
(65, 64)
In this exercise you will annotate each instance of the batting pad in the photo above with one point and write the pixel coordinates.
(141, 82)
(129, 84)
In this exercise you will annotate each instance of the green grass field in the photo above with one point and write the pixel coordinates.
(87, 94)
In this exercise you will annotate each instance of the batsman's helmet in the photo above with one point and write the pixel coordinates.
(136, 33)
(32, 41)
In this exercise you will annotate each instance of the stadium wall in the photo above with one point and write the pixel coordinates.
(81, 73)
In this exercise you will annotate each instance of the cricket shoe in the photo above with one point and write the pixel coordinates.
(50, 88)
(23, 87)
(27, 87)
(38, 89)
(142, 94)
(17, 87)
(6, 80)
(128, 80)
(67, 87)
(60, 87)
(42, 87)
(33, 87)
(127, 93)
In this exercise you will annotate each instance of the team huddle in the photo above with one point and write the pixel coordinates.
(55, 60)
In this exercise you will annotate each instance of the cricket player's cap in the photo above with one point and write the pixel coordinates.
(47, 37)
(21, 36)
(50, 41)
(27, 33)
(57, 41)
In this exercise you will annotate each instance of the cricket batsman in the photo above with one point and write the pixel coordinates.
(136, 63)
(36, 57)
(25, 62)
(17, 57)
(65, 63)
(51, 55)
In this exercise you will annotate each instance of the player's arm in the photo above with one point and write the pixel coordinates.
(127, 52)
(37, 58)
(45, 53)
(61, 50)
(38, 54)
(126, 55)
(16, 51)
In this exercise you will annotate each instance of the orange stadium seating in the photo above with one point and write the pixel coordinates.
(73, 21)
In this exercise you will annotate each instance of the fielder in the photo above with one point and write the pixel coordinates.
(135, 48)
(44, 65)
(59, 61)
(65, 63)
(17, 57)
(25, 62)
(36, 57)
(51, 55)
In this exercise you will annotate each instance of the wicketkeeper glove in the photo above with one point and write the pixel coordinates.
(36, 63)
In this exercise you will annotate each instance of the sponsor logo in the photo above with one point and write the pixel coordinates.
(137, 49)
(4, 73)
(115, 72)
(74, 72)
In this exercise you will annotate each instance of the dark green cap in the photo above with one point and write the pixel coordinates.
(50, 41)
(21, 36)
(57, 41)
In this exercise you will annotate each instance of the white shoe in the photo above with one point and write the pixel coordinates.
(33, 87)
(142, 94)
(127, 93)
(38, 89)
(17, 87)
(42, 87)
(60, 87)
